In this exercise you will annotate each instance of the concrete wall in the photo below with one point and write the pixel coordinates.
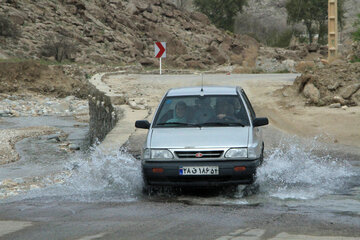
(103, 112)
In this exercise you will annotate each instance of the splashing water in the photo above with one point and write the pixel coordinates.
(96, 177)
(293, 170)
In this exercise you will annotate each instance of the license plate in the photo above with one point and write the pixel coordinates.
(203, 170)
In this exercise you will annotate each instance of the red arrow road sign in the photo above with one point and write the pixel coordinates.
(160, 49)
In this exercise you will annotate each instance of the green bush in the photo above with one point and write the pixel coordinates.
(281, 39)
(221, 12)
(356, 34)
(355, 59)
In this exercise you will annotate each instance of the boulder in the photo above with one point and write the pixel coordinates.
(289, 65)
(335, 105)
(74, 147)
(179, 63)
(131, 8)
(218, 56)
(338, 99)
(334, 86)
(150, 17)
(301, 81)
(350, 90)
(141, 6)
(236, 59)
(17, 17)
(224, 46)
(147, 62)
(189, 26)
(168, 14)
(304, 66)
(311, 92)
(200, 17)
(237, 49)
(175, 47)
(356, 98)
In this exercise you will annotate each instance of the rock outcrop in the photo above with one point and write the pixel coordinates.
(122, 32)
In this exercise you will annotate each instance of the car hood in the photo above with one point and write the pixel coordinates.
(209, 137)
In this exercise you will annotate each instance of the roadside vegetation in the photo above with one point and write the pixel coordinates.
(221, 12)
(356, 38)
(60, 47)
(7, 28)
(307, 20)
(313, 14)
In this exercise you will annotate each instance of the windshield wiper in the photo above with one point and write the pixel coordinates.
(178, 123)
(222, 124)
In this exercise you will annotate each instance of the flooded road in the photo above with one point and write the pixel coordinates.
(304, 188)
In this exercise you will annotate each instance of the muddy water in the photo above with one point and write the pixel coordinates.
(42, 156)
(303, 175)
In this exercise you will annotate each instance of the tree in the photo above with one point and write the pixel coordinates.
(221, 12)
(313, 14)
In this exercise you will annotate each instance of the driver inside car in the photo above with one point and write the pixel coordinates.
(225, 111)
(179, 113)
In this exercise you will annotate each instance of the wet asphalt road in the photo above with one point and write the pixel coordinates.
(251, 213)
(167, 220)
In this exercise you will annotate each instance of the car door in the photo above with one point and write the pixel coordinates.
(255, 135)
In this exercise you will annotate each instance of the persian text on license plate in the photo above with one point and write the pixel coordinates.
(203, 170)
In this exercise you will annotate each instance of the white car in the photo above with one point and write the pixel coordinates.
(203, 136)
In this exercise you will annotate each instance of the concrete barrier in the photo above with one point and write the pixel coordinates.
(112, 120)
(104, 114)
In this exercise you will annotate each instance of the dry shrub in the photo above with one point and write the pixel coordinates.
(7, 28)
(60, 48)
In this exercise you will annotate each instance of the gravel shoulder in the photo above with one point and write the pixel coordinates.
(340, 126)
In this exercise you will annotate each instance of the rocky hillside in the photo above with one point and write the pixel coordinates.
(120, 33)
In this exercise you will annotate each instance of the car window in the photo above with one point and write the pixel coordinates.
(189, 111)
(247, 102)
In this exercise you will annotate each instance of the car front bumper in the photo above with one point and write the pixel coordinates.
(227, 174)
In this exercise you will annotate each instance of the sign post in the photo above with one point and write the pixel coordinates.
(333, 30)
(160, 51)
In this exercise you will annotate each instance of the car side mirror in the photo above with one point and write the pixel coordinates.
(142, 124)
(257, 122)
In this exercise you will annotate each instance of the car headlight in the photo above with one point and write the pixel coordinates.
(157, 154)
(237, 153)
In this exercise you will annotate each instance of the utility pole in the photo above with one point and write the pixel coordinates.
(333, 30)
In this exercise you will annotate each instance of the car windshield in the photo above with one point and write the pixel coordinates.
(198, 111)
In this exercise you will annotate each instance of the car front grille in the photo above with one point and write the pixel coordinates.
(198, 154)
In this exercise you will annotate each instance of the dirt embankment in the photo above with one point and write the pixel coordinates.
(30, 76)
(336, 85)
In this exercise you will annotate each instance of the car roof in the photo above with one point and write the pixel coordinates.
(207, 90)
